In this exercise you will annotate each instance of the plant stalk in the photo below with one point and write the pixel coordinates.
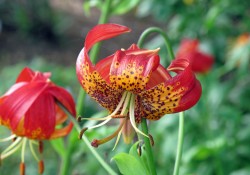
(149, 152)
(179, 144)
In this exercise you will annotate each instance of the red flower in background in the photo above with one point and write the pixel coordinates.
(239, 53)
(31, 110)
(132, 84)
(200, 61)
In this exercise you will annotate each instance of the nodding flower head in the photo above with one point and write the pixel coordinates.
(32, 109)
(200, 62)
(132, 84)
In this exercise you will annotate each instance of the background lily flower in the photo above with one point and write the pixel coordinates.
(239, 53)
(31, 109)
(132, 84)
(200, 61)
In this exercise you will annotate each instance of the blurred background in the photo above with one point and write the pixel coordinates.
(47, 35)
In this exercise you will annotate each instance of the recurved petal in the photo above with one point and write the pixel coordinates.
(102, 32)
(63, 97)
(177, 94)
(202, 62)
(187, 46)
(15, 105)
(62, 132)
(25, 75)
(28, 75)
(40, 119)
(98, 88)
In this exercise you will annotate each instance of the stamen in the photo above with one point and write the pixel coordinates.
(33, 151)
(8, 138)
(79, 119)
(12, 145)
(82, 132)
(22, 168)
(96, 143)
(10, 151)
(23, 149)
(151, 139)
(117, 139)
(124, 109)
(109, 117)
(119, 135)
(132, 115)
(40, 167)
(119, 116)
(139, 149)
(40, 147)
(102, 123)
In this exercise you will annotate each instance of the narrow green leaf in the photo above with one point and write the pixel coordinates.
(58, 146)
(129, 165)
(123, 6)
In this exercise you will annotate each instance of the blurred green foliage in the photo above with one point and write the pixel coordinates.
(34, 19)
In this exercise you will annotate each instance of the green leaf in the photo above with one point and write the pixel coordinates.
(123, 6)
(129, 165)
(87, 5)
(58, 146)
(143, 158)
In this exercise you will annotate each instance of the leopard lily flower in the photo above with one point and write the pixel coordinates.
(33, 110)
(132, 84)
(200, 62)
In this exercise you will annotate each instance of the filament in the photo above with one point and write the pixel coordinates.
(8, 138)
(6, 154)
(132, 116)
(109, 117)
(23, 149)
(12, 145)
(99, 142)
(119, 135)
(33, 151)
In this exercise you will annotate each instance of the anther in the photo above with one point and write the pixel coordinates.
(139, 149)
(95, 143)
(119, 116)
(151, 139)
(40, 167)
(79, 119)
(82, 132)
(14, 139)
(40, 147)
(22, 168)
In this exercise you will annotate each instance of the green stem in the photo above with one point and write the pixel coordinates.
(179, 144)
(150, 30)
(140, 42)
(181, 117)
(82, 94)
(93, 55)
(86, 141)
(149, 152)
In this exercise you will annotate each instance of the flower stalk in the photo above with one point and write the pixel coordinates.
(148, 148)
(179, 144)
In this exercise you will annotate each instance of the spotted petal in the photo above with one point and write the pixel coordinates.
(174, 95)
(131, 70)
(91, 80)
